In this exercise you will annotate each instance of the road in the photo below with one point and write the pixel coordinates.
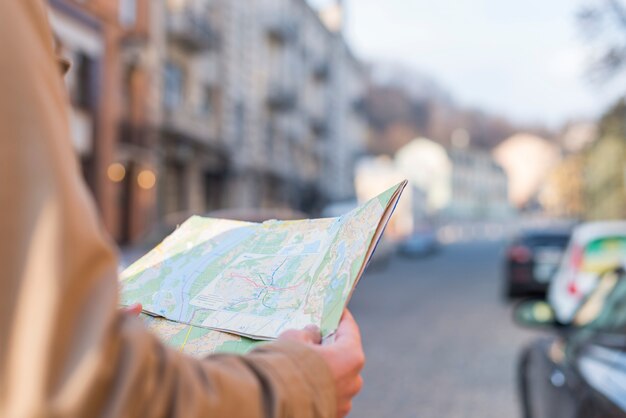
(438, 338)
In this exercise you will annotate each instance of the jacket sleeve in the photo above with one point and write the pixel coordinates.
(65, 348)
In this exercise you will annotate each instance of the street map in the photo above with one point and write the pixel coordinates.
(254, 280)
(198, 341)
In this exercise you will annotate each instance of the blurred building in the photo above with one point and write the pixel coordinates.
(527, 160)
(187, 106)
(290, 89)
(562, 193)
(577, 136)
(92, 35)
(183, 60)
(459, 183)
(348, 126)
(479, 186)
(427, 166)
(377, 174)
(605, 168)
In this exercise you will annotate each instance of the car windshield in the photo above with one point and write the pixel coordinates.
(547, 240)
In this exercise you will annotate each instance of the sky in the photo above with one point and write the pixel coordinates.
(523, 59)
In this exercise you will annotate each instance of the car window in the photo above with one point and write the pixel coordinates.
(605, 308)
(547, 241)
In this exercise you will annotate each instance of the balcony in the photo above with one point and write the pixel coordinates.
(321, 71)
(135, 22)
(319, 125)
(359, 106)
(191, 31)
(186, 125)
(282, 98)
(282, 30)
(135, 134)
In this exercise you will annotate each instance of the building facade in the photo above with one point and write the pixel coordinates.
(458, 183)
(188, 106)
(348, 131)
(267, 102)
(605, 179)
(562, 194)
(426, 164)
(479, 186)
(93, 36)
(290, 86)
(527, 160)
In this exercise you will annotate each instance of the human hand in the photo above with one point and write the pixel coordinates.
(344, 357)
(134, 309)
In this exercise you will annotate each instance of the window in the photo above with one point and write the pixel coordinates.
(270, 132)
(240, 120)
(128, 12)
(174, 187)
(213, 190)
(206, 101)
(173, 89)
(83, 92)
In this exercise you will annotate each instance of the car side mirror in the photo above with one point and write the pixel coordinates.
(535, 313)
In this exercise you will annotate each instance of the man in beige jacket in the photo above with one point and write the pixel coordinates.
(66, 350)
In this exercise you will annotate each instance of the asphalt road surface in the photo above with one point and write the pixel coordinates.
(438, 337)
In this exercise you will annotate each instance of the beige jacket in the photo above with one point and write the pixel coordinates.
(65, 348)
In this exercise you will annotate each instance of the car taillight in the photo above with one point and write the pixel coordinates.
(520, 254)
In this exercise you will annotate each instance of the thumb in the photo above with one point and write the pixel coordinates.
(134, 309)
(309, 335)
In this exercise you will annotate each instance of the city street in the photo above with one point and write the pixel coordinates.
(241, 156)
(439, 340)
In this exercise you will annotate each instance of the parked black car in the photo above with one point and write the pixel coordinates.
(532, 258)
(580, 372)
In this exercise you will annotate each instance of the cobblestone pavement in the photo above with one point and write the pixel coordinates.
(438, 337)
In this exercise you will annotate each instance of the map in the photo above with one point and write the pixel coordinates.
(254, 280)
(197, 341)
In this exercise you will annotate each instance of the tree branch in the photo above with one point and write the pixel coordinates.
(619, 11)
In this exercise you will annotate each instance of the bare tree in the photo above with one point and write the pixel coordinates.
(603, 23)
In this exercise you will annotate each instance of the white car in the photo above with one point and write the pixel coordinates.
(594, 248)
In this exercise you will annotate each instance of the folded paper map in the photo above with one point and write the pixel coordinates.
(223, 285)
